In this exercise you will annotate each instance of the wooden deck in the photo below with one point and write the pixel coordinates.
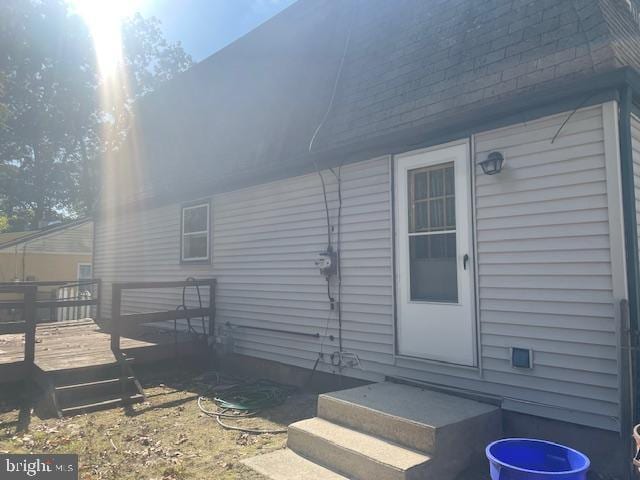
(82, 343)
(76, 366)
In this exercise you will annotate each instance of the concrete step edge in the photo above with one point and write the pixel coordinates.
(327, 398)
(302, 429)
(287, 465)
(425, 444)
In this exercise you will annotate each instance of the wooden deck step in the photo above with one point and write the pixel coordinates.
(101, 404)
(88, 388)
(75, 376)
(71, 395)
(90, 384)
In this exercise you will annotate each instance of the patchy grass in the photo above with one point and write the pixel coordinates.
(165, 438)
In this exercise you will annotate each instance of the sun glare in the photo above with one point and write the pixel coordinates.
(104, 19)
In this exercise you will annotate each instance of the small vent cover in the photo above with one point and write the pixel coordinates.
(521, 358)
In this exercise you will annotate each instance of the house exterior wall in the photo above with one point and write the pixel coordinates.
(73, 240)
(41, 266)
(544, 276)
(50, 257)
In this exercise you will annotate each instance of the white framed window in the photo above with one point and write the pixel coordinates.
(85, 271)
(195, 233)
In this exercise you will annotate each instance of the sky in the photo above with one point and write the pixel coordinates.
(205, 26)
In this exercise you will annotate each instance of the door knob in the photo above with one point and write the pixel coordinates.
(465, 260)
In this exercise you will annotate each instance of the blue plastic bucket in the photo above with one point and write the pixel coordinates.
(527, 459)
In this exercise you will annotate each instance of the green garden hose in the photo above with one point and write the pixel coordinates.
(253, 396)
(247, 400)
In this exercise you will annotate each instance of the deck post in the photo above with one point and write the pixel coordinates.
(99, 300)
(116, 300)
(53, 311)
(29, 312)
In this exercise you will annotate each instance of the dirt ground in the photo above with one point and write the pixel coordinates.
(165, 438)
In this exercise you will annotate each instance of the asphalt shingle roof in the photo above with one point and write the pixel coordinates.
(254, 106)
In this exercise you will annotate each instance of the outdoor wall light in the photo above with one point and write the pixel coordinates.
(493, 163)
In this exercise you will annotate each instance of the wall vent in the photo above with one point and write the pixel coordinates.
(521, 358)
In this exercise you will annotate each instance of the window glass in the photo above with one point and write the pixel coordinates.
(195, 232)
(195, 219)
(84, 271)
(432, 199)
(432, 234)
(433, 270)
(195, 246)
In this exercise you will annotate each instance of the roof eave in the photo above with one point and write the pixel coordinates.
(44, 233)
(554, 98)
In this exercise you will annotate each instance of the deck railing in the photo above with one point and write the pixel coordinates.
(129, 320)
(61, 299)
(27, 324)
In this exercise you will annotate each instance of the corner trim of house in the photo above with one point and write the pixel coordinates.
(630, 226)
(617, 249)
(614, 198)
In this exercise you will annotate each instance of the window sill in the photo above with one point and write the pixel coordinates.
(195, 262)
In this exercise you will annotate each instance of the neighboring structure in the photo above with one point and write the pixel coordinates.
(511, 285)
(60, 252)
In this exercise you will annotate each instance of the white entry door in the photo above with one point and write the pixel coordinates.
(434, 272)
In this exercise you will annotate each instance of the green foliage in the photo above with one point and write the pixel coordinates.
(51, 117)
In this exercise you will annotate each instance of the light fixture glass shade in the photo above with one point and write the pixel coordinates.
(493, 163)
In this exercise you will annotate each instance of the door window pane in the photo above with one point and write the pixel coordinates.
(433, 268)
(420, 185)
(422, 215)
(436, 183)
(432, 234)
(431, 199)
(436, 212)
(449, 185)
(450, 210)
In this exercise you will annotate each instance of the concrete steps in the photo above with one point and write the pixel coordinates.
(420, 419)
(389, 431)
(286, 465)
(353, 453)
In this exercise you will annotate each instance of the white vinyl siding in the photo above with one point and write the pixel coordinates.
(544, 264)
(635, 144)
(72, 240)
(544, 270)
(265, 240)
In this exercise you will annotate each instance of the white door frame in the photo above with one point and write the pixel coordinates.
(471, 359)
